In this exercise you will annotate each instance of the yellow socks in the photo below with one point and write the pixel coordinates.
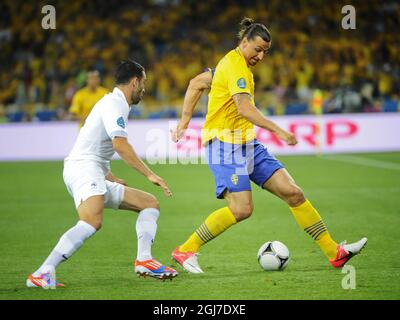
(216, 223)
(306, 216)
(309, 219)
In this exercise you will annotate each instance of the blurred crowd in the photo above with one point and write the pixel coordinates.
(314, 64)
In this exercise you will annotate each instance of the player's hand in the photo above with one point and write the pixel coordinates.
(288, 137)
(153, 178)
(177, 133)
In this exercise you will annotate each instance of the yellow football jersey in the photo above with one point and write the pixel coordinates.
(84, 100)
(232, 76)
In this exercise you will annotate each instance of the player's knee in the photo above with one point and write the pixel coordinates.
(245, 211)
(294, 196)
(95, 223)
(242, 211)
(151, 202)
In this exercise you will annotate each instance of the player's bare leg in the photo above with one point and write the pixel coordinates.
(283, 186)
(240, 207)
(240, 203)
(90, 213)
(137, 200)
(146, 227)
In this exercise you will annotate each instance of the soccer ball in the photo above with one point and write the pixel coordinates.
(273, 256)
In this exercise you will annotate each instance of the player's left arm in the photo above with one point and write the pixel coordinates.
(248, 111)
(115, 118)
(192, 96)
(128, 154)
(110, 177)
(238, 81)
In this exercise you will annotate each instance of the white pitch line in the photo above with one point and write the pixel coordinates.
(363, 161)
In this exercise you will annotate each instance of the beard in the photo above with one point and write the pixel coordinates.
(136, 97)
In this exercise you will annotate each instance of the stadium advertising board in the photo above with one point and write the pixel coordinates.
(342, 133)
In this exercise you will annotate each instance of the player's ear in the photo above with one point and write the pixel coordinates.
(134, 82)
(245, 42)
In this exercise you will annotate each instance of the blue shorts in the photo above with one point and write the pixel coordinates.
(235, 165)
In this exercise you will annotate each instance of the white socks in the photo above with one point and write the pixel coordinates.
(146, 227)
(72, 240)
(69, 242)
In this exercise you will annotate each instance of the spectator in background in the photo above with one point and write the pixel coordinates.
(312, 52)
(85, 98)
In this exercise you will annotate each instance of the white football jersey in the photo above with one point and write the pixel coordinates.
(108, 119)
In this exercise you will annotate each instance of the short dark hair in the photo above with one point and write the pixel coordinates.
(250, 29)
(93, 70)
(127, 70)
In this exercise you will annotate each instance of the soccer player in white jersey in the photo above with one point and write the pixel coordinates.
(91, 183)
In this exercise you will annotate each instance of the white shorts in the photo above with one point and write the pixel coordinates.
(85, 179)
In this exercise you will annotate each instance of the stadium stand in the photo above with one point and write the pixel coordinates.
(41, 69)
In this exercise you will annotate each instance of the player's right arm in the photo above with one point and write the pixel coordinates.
(128, 154)
(192, 96)
(247, 110)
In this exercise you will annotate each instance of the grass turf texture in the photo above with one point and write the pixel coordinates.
(354, 201)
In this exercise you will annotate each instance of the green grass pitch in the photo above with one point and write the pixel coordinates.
(357, 196)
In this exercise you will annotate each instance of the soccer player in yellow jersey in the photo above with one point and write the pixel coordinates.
(85, 98)
(235, 157)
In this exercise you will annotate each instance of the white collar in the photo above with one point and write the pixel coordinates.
(118, 92)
